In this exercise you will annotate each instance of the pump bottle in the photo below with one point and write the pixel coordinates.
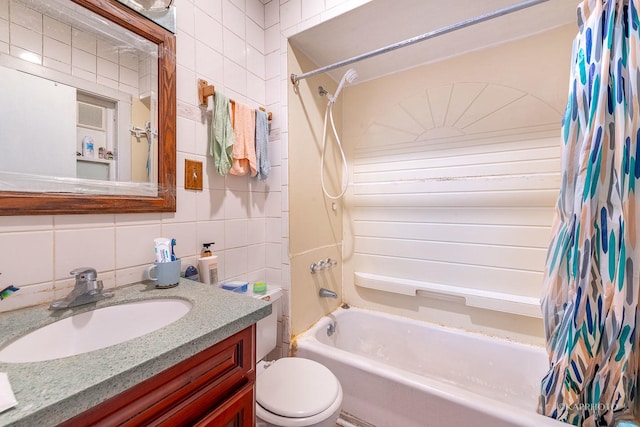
(208, 265)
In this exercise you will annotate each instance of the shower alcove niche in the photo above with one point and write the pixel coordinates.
(453, 148)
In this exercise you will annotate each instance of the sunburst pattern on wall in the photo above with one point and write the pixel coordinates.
(460, 112)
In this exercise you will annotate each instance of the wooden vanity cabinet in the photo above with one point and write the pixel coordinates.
(213, 388)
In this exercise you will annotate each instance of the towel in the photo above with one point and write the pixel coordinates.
(262, 142)
(244, 150)
(7, 399)
(222, 136)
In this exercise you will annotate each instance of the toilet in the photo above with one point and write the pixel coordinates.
(291, 391)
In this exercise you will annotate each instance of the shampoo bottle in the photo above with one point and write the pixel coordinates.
(208, 266)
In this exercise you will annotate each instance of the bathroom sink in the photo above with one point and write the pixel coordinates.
(93, 330)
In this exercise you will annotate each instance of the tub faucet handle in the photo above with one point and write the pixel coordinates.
(326, 293)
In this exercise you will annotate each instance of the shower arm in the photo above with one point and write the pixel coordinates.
(295, 79)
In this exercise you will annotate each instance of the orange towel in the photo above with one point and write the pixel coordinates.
(244, 150)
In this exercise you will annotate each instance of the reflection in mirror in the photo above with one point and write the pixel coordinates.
(82, 99)
(162, 12)
(82, 104)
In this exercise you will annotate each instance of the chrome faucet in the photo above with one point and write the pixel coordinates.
(87, 289)
(326, 293)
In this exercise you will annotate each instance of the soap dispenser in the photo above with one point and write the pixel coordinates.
(208, 265)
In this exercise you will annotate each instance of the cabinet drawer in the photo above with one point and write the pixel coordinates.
(188, 389)
(236, 412)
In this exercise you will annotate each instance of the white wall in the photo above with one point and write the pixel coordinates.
(44, 141)
(222, 41)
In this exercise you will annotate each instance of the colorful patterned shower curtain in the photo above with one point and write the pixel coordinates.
(590, 302)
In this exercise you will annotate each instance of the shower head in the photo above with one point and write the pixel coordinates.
(349, 77)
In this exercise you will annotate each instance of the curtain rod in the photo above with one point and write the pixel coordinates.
(444, 30)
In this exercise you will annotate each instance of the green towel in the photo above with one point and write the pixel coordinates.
(222, 137)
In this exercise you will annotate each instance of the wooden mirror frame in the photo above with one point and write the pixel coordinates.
(33, 203)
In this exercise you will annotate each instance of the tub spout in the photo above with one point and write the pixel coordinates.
(326, 293)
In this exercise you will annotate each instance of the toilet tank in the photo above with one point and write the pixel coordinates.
(267, 328)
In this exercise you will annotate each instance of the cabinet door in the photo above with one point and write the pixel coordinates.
(236, 412)
(183, 393)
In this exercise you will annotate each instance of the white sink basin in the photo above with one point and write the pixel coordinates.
(93, 330)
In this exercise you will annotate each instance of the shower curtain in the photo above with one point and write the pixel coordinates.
(590, 300)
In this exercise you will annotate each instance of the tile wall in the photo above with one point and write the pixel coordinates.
(34, 37)
(240, 47)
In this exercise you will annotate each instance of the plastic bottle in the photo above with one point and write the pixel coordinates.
(208, 266)
(87, 147)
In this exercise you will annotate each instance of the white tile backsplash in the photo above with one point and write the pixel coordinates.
(255, 89)
(256, 64)
(187, 89)
(186, 50)
(63, 67)
(235, 78)
(91, 247)
(256, 231)
(107, 69)
(213, 8)
(271, 14)
(4, 9)
(255, 35)
(255, 11)
(129, 60)
(311, 8)
(236, 262)
(273, 205)
(25, 17)
(26, 39)
(104, 81)
(18, 267)
(134, 245)
(108, 51)
(84, 61)
(290, 14)
(185, 18)
(128, 76)
(56, 30)
(234, 48)
(233, 18)
(256, 256)
(209, 63)
(273, 230)
(236, 204)
(236, 233)
(185, 235)
(84, 41)
(209, 32)
(57, 50)
(211, 205)
(273, 255)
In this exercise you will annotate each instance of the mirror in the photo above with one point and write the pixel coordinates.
(88, 112)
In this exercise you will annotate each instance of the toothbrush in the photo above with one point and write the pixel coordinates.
(173, 255)
(8, 291)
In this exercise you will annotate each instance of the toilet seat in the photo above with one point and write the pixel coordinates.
(295, 392)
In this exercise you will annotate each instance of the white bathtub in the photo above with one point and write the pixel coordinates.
(400, 372)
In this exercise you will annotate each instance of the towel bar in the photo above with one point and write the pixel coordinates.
(206, 90)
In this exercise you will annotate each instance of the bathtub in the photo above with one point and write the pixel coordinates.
(400, 372)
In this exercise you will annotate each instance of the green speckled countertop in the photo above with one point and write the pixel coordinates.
(56, 390)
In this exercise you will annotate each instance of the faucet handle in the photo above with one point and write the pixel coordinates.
(84, 273)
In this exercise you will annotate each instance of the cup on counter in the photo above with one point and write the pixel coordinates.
(166, 274)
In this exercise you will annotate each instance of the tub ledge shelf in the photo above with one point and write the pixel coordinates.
(478, 298)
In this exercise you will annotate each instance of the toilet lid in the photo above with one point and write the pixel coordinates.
(294, 387)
